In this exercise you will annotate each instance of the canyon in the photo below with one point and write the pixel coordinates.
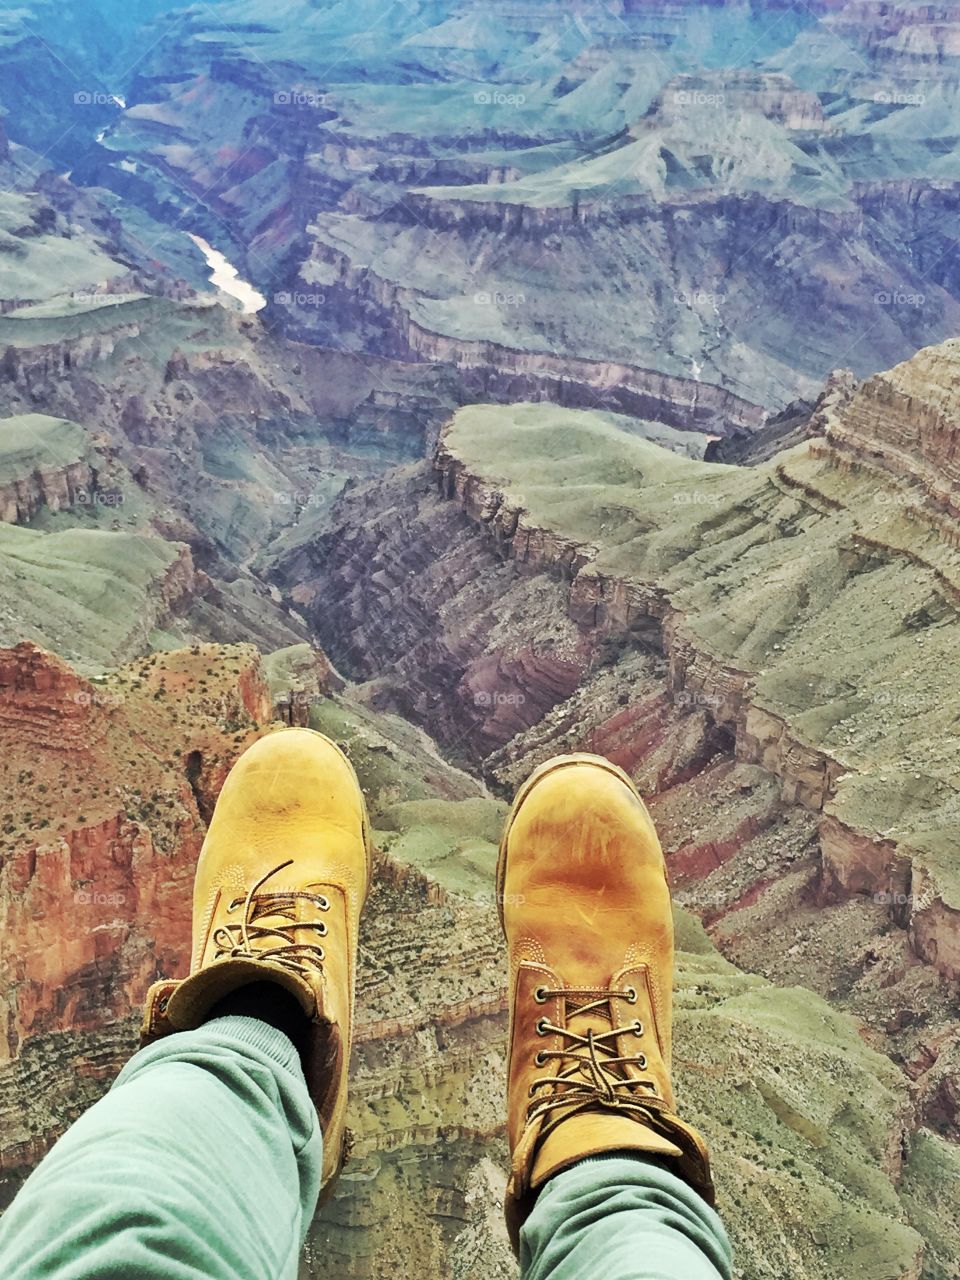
(644, 190)
(592, 388)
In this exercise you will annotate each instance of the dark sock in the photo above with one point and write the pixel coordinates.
(269, 1003)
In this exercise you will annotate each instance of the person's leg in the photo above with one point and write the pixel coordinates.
(203, 1162)
(623, 1218)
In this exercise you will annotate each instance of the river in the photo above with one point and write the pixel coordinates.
(226, 278)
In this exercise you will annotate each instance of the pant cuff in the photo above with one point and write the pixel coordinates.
(257, 1035)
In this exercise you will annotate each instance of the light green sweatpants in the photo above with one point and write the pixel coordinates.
(203, 1163)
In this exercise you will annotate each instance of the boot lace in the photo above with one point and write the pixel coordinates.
(248, 938)
(590, 1070)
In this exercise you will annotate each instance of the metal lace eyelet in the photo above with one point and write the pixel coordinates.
(323, 903)
(642, 1061)
(320, 953)
(541, 1058)
(232, 906)
(631, 995)
(638, 1028)
(322, 929)
(540, 995)
(532, 1090)
(542, 1025)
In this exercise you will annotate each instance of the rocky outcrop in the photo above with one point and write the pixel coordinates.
(313, 677)
(425, 622)
(178, 585)
(22, 366)
(609, 605)
(905, 422)
(934, 922)
(854, 862)
(800, 421)
(603, 603)
(53, 487)
(107, 787)
(43, 697)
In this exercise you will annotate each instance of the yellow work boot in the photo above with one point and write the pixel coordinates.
(585, 908)
(283, 875)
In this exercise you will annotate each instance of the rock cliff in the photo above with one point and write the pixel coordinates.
(727, 679)
(107, 785)
(42, 464)
(684, 213)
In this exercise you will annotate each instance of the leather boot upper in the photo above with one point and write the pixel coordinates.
(280, 883)
(586, 912)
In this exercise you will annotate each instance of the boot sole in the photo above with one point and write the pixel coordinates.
(551, 766)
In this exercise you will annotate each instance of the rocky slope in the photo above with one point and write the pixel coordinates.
(103, 814)
(190, 432)
(749, 676)
(423, 1189)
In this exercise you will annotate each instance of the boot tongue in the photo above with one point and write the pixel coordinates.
(282, 907)
(596, 1019)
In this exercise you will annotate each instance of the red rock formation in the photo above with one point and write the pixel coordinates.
(42, 696)
(106, 789)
